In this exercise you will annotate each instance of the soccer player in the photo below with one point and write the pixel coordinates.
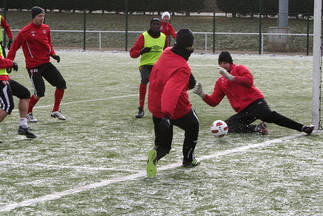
(149, 46)
(36, 43)
(16, 88)
(166, 27)
(6, 100)
(237, 84)
(169, 103)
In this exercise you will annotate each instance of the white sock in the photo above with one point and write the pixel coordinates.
(23, 122)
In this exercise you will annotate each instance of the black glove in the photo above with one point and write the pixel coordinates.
(144, 50)
(14, 66)
(57, 58)
(191, 82)
(164, 124)
(9, 44)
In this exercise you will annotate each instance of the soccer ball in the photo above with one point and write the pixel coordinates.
(219, 128)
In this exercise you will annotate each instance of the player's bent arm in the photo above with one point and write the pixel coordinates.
(14, 47)
(135, 50)
(215, 98)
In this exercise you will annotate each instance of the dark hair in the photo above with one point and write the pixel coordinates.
(225, 56)
(184, 38)
(154, 20)
(36, 10)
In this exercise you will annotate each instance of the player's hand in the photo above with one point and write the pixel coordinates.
(14, 66)
(198, 90)
(57, 58)
(226, 74)
(164, 124)
(145, 50)
(9, 44)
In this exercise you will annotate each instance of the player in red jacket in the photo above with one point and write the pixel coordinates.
(166, 27)
(236, 83)
(169, 103)
(36, 44)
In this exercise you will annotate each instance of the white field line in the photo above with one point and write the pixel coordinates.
(68, 167)
(58, 195)
(86, 101)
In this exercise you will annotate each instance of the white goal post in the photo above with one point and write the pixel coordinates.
(317, 63)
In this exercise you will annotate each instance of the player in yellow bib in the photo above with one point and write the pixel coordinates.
(149, 46)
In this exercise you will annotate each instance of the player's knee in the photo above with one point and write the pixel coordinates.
(61, 84)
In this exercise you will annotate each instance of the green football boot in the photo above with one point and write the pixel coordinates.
(151, 165)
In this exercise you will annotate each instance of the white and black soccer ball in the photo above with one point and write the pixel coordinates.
(219, 128)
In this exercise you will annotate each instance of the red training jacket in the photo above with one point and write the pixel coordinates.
(36, 45)
(240, 92)
(169, 79)
(168, 30)
(6, 27)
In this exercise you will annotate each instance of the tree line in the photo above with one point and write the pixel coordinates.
(243, 7)
(184, 6)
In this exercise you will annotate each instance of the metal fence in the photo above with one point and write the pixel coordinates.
(204, 41)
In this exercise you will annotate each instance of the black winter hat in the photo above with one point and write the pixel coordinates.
(154, 20)
(225, 57)
(184, 38)
(36, 10)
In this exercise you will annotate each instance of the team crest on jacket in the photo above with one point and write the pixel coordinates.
(32, 33)
(44, 31)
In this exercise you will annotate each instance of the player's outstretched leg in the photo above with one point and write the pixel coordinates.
(151, 165)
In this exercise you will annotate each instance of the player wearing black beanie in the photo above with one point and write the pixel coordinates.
(237, 84)
(36, 10)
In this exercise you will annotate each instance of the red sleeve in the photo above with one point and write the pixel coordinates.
(50, 43)
(15, 46)
(135, 50)
(243, 76)
(166, 43)
(172, 31)
(6, 27)
(5, 63)
(216, 96)
(173, 89)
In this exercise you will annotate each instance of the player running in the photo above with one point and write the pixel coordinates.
(169, 103)
(37, 47)
(149, 46)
